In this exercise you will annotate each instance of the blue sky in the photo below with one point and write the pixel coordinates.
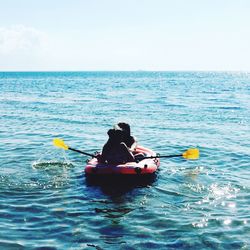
(124, 35)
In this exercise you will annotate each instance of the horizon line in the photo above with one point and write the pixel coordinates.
(41, 71)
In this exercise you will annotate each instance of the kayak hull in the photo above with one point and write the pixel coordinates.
(144, 167)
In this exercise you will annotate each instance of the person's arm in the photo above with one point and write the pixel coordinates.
(103, 156)
(134, 145)
(125, 150)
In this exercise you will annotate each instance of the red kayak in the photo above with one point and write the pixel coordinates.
(143, 167)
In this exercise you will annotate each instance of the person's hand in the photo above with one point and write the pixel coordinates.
(99, 157)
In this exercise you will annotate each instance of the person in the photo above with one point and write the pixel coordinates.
(128, 139)
(115, 150)
(131, 141)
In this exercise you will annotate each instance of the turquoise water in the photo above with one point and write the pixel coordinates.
(46, 201)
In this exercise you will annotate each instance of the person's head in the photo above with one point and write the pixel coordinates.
(115, 135)
(111, 133)
(125, 127)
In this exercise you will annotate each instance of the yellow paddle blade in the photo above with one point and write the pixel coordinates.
(60, 143)
(191, 154)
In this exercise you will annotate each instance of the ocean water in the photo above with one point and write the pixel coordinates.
(46, 202)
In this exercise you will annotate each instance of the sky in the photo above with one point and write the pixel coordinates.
(89, 35)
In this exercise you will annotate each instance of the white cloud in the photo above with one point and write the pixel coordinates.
(20, 39)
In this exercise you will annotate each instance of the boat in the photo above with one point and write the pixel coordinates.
(140, 167)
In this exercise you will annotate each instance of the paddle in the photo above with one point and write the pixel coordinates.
(190, 154)
(60, 144)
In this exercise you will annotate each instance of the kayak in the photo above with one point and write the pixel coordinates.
(143, 167)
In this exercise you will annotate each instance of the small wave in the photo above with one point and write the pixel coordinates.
(7, 244)
(227, 108)
(114, 212)
(51, 164)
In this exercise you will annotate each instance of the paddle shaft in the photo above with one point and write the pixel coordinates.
(161, 156)
(81, 152)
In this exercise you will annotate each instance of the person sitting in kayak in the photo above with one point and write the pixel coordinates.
(131, 141)
(115, 151)
(128, 139)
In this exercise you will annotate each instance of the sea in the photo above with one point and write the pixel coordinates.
(46, 201)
